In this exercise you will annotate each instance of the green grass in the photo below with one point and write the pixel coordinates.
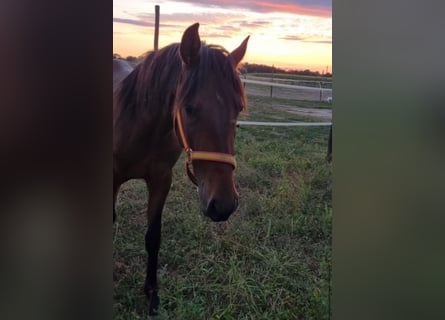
(271, 260)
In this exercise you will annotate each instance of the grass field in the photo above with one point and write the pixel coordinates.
(271, 260)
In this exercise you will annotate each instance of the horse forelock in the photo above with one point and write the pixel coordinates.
(214, 63)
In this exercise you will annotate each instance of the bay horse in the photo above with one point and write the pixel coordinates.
(185, 96)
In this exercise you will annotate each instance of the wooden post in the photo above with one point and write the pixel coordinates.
(273, 76)
(156, 42)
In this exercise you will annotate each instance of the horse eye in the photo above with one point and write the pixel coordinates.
(189, 109)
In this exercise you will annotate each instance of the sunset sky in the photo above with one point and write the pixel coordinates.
(294, 34)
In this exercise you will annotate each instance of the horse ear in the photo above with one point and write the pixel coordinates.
(190, 45)
(238, 53)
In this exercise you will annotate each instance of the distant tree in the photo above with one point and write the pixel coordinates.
(117, 56)
(261, 68)
(131, 59)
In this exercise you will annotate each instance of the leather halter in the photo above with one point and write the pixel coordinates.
(199, 155)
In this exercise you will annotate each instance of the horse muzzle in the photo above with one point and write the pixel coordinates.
(218, 210)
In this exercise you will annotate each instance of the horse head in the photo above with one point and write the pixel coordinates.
(209, 98)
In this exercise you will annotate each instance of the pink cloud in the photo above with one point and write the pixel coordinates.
(318, 8)
(295, 9)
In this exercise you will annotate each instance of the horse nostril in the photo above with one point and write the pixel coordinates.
(216, 211)
(211, 208)
(220, 211)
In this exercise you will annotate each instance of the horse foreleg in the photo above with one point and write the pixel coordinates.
(158, 189)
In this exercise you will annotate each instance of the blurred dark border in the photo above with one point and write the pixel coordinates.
(55, 159)
(388, 158)
(56, 163)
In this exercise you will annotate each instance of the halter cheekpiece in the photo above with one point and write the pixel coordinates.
(199, 155)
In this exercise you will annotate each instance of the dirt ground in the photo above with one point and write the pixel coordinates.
(321, 114)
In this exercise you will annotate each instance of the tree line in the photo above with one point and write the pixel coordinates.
(246, 67)
(261, 68)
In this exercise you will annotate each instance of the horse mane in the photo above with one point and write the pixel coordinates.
(152, 82)
(217, 61)
(152, 85)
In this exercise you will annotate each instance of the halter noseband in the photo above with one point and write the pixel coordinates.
(199, 155)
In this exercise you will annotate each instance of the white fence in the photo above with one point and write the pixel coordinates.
(316, 92)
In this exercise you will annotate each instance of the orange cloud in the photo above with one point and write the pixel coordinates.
(295, 9)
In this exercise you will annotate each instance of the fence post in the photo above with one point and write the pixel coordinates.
(156, 41)
(321, 91)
